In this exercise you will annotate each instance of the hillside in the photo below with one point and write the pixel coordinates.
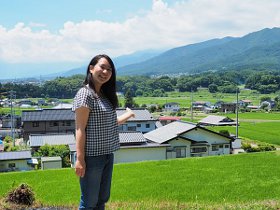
(244, 181)
(123, 60)
(258, 50)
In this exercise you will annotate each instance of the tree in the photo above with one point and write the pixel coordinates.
(213, 88)
(128, 99)
(57, 150)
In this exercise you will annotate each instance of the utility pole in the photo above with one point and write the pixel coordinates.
(191, 105)
(237, 104)
(12, 96)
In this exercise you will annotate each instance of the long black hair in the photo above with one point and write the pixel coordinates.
(108, 88)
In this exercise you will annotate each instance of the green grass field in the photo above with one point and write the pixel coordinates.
(244, 181)
(263, 127)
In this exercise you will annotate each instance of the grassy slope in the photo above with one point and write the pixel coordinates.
(210, 181)
(262, 127)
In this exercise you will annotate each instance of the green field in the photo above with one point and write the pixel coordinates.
(263, 127)
(184, 98)
(243, 181)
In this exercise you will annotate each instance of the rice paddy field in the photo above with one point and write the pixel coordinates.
(243, 181)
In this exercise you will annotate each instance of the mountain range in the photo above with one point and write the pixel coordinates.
(257, 50)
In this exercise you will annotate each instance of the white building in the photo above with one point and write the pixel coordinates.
(142, 122)
(190, 140)
(171, 107)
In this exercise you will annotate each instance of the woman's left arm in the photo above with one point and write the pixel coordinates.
(124, 117)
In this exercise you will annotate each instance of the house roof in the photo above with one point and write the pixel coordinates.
(169, 131)
(17, 155)
(131, 137)
(50, 159)
(47, 115)
(37, 140)
(67, 114)
(169, 118)
(246, 101)
(140, 115)
(63, 106)
(216, 120)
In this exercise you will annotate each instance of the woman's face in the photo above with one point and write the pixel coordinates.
(101, 72)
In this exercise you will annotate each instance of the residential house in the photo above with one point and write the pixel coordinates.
(190, 140)
(213, 120)
(37, 140)
(245, 102)
(16, 161)
(47, 121)
(252, 108)
(171, 107)
(218, 104)
(142, 122)
(41, 102)
(133, 148)
(228, 107)
(25, 103)
(7, 121)
(50, 121)
(200, 105)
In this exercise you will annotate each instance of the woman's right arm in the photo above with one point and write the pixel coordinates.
(81, 114)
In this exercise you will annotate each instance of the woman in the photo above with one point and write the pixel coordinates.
(97, 134)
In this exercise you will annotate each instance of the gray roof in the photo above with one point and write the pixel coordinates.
(37, 140)
(217, 120)
(147, 145)
(17, 155)
(140, 115)
(127, 138)
(169, 131)
(50, 159)
(68, 114)
(63, 106)
(131, 137)
(47, 115)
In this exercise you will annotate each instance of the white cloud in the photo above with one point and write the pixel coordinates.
(164, 26)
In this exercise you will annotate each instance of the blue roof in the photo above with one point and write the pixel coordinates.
(17, 155)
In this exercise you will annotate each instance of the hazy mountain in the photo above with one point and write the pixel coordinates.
(136, 57)
(256, 50)
(118, 61)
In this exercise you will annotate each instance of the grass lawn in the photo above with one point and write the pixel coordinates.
(244, 181)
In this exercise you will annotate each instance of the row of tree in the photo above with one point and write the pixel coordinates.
(222, 81)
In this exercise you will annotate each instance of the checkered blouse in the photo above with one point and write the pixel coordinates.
(102, 135)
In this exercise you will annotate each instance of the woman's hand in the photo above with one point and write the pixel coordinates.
(80, 168)
(130, 112)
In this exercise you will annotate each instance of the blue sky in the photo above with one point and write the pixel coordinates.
(47, 36)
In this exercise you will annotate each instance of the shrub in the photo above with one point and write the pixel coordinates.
(23, 194)
(259, 148)
(8, 139)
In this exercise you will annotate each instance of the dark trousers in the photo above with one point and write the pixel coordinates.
(96, 184)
